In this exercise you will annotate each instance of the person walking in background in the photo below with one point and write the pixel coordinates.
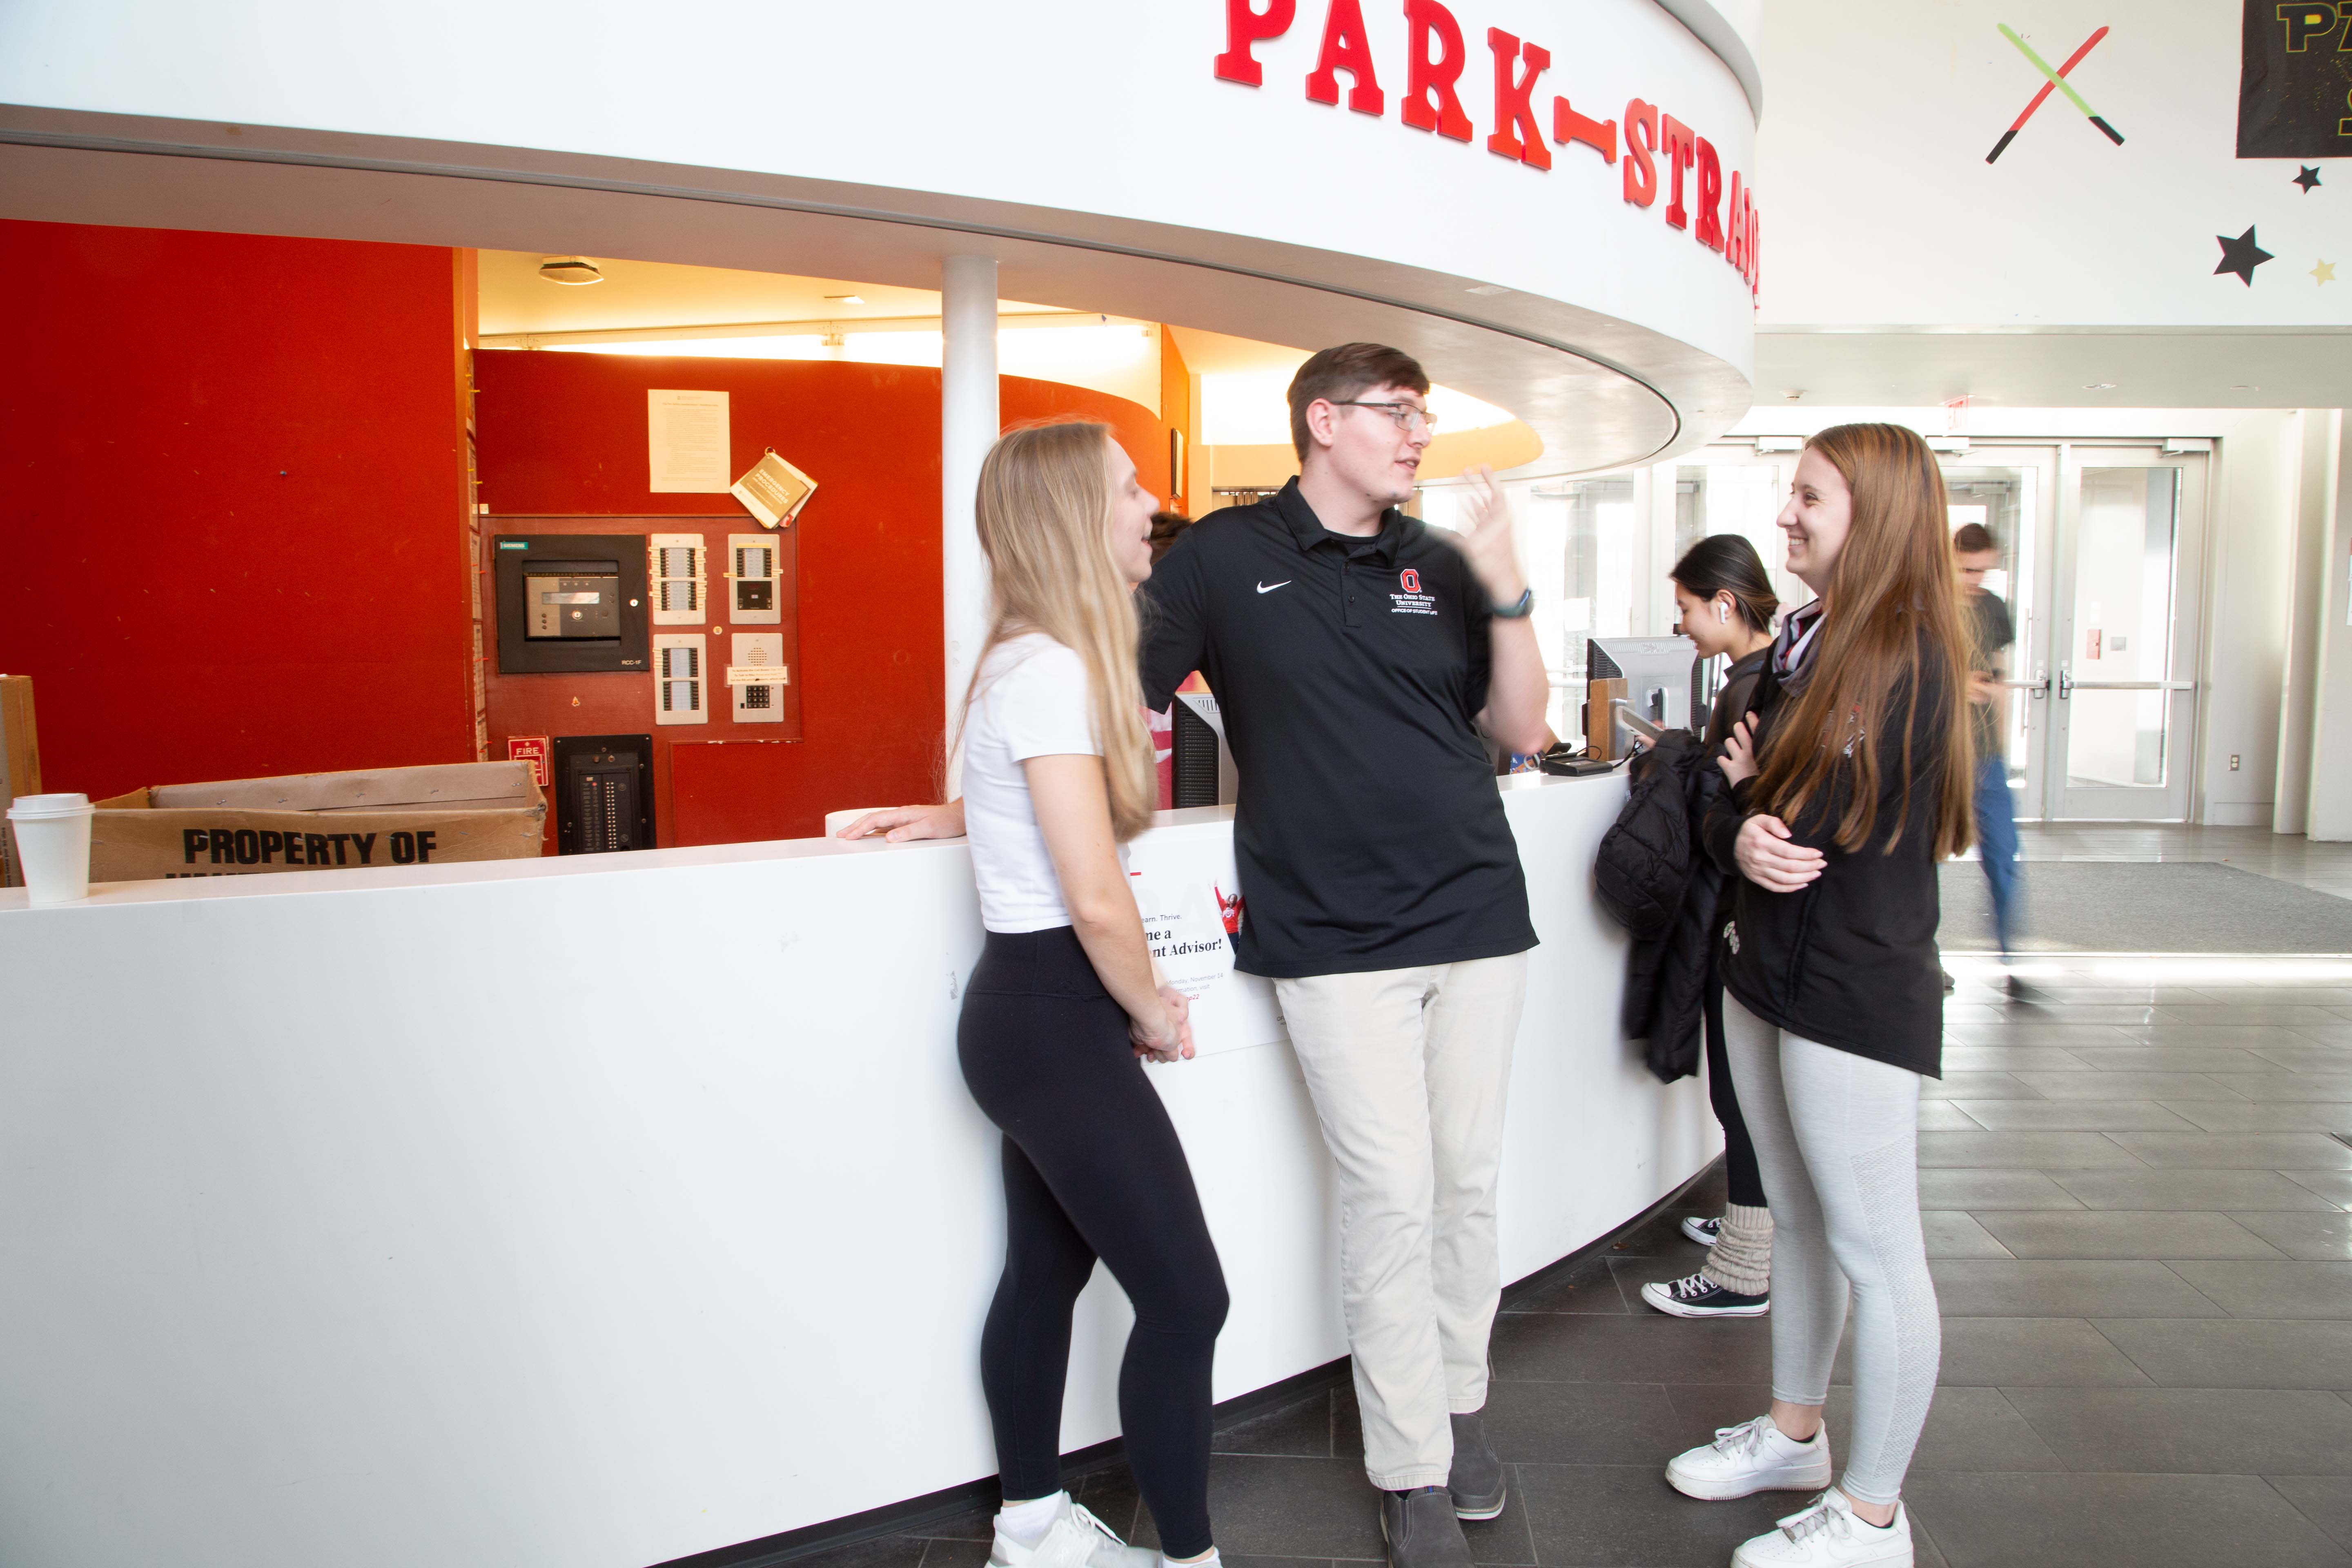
(1977, 552)
(1057, 776)
(1727, 606)
(1849, 781)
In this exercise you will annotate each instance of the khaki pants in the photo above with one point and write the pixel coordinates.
(1409, 1068)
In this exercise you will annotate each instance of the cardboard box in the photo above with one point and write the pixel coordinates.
(20, 763)
(376, 816)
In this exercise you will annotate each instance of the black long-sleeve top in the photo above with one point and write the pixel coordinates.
(1850, 958)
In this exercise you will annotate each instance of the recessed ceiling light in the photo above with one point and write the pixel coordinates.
(1793, 396)
(1486, 289)
(2098, 386)
(846, 299)
(573, 269)
(2242, 387)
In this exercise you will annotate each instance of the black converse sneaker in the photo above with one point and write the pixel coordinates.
(1697, 1296)
(1706, 1232)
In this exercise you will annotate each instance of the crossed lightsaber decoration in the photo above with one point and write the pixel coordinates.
(2057, 78)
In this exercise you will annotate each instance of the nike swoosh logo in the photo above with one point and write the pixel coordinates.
(1270, 587)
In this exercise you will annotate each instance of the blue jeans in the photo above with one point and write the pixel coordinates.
(1997, 844)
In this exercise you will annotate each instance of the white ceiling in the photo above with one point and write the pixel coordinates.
(2308, 367)
(515, 299)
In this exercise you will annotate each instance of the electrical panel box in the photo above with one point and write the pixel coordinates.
(753, 599)
(681, 678)
(569, 603)
(604, 795)
(677, 563)
(756, 676)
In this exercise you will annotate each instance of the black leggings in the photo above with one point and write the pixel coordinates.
(1092, 1169)
(1738, 1149)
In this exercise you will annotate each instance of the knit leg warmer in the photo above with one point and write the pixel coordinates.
(1741, 1259)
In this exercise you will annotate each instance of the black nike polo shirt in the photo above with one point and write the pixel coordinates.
(1369, 833)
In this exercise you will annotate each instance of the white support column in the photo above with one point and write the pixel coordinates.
(967, 426)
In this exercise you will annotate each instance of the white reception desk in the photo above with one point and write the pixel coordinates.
(592, 1212)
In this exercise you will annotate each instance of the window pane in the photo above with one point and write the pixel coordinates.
(2003, 500)
(2123, 575)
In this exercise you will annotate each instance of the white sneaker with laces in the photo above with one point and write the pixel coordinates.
(1706, 1232)
(1829, 1535)
(1077, 1540)
(1754, 1457)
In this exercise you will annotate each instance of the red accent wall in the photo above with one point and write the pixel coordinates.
(232, 481)
(564, 435)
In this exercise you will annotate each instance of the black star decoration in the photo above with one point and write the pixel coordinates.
(2240, 256)
(2308, 178)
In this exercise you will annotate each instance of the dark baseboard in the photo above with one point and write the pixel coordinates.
(900, 1518)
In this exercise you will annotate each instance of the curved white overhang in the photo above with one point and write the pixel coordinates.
(1095, 152)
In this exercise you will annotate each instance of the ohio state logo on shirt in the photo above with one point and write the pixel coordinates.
(1411, 600)
(1411, 580)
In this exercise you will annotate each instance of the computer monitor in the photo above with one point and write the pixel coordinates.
(1657, 675)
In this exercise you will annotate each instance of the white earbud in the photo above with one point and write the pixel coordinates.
(1722, 612)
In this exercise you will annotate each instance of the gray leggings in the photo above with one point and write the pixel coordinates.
(1837, 1138)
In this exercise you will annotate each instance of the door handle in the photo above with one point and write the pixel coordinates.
(2039, 687)
(2136, 685)
(2065, 684)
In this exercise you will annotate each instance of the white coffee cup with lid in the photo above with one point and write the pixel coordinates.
(53, 846)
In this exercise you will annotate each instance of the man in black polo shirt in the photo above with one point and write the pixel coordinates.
(1356, 655)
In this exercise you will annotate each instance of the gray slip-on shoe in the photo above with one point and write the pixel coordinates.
(1475, 1482)
(1422, 1530)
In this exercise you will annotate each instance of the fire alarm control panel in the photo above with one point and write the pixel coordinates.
(569, 603)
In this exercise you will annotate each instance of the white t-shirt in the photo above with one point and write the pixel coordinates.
(1033, 701)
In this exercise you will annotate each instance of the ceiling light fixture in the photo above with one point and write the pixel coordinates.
(846, 299)
(572, 269)
(2098, 386)
(1793, 396)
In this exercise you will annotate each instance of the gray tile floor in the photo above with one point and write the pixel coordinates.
(2140, 1222)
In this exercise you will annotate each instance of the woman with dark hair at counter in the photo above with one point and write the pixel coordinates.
(1727, 603)
(1057, 776)
(1851, 780)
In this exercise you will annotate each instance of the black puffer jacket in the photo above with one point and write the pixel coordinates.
(1653, 874)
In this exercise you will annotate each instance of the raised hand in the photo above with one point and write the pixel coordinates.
(1738, 759)
(1491, 541)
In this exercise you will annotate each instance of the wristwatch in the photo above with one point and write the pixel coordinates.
(1519, 609)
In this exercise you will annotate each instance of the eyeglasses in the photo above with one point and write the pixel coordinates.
(1409, 416)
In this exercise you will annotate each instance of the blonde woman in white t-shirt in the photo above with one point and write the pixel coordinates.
(1065, 1005)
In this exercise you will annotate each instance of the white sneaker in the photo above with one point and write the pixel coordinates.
(1706, 1232)
(1077, 1539)
(1829, 1535)
(1754, 1457)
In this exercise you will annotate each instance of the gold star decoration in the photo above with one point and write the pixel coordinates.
(2324, 272)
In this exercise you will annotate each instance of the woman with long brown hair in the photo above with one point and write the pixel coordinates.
(1849, 781)
(1057, 776)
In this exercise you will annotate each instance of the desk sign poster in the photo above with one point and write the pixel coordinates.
(1185, 890)
(2294, 80)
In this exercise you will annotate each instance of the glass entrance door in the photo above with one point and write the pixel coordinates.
(2121, 650)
